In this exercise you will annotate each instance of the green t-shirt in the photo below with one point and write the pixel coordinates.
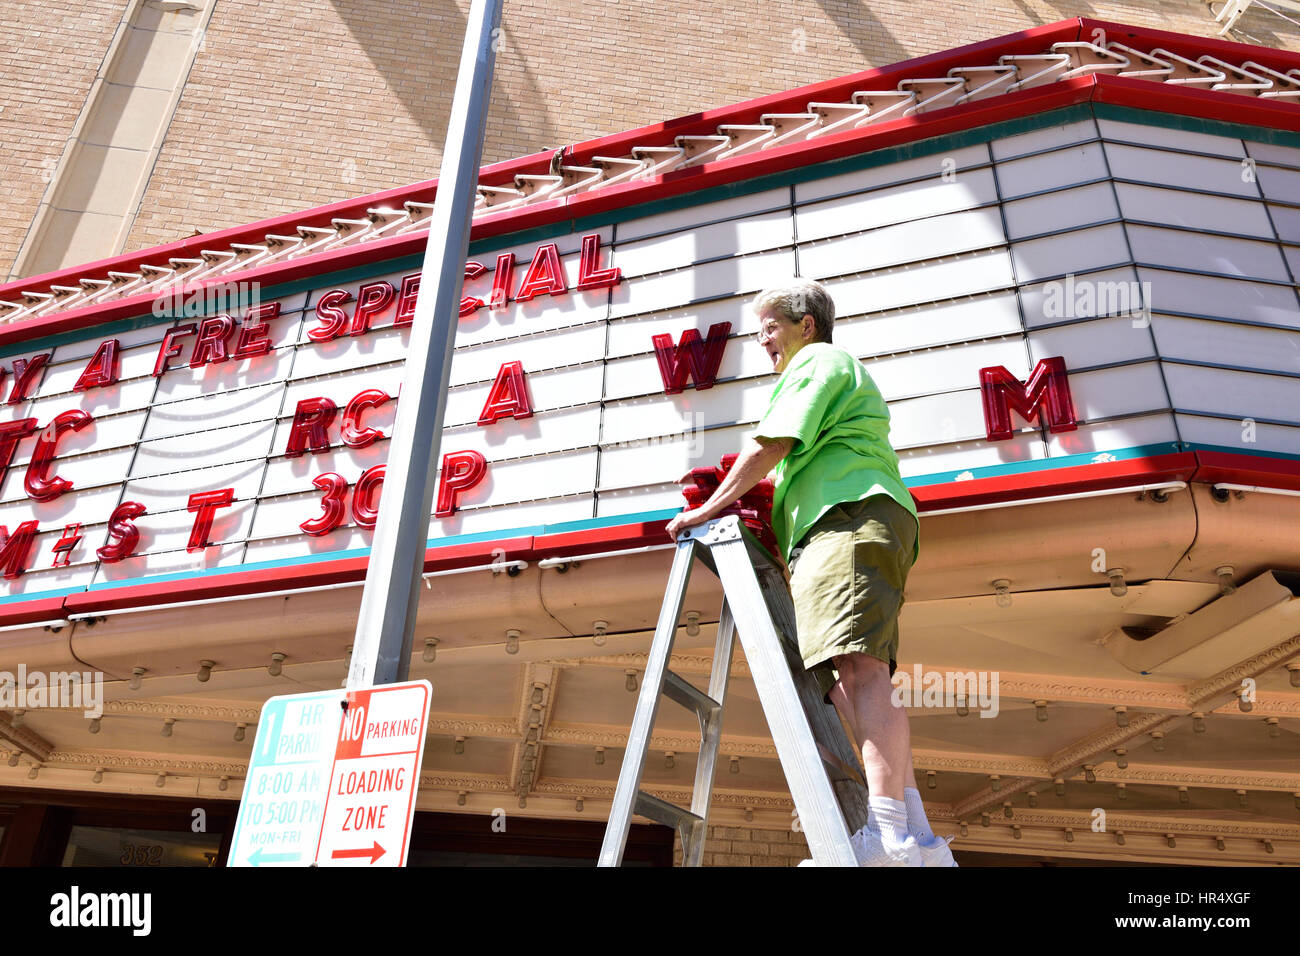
(826, 401)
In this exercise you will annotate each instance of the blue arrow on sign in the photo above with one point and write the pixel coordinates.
(259, 857)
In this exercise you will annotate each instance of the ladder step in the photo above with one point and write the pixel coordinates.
(690, 696)
(661, 811)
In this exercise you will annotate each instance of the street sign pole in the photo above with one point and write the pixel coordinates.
(381, 652)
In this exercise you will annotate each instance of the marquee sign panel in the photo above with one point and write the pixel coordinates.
(594, 368)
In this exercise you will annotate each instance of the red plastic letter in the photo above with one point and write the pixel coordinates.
(123, 535)
(203, 504)
(253, 340)
(1048, 387)
(11, 433)
(590, 274)
(170, 348)
(210, 346)
(501, 279)
(354, 436)
(333, 320)
(372, 299)
(365, 510)
(509, 395)
(406, 300)
(64, 546)
(17, 546)
(332, 504)
(25, 377)
(461, 470)
(544, 275)
(40, 486)
(311, 421)
(691, 357)
(469, 304)
(101, 369)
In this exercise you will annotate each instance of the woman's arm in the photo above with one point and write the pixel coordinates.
(757, 458)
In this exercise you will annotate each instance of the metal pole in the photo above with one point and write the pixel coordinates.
(381, 652)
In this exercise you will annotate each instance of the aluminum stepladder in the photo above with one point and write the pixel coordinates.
(820, 764)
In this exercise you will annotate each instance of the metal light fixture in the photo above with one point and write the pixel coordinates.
(1121, 716)
(600, 755)
(1040, 710)
(577, 805)
(693, 623)
(995, 782)
(1069, 835)
(205, 671)
(459, 746)
(1015, 830)
(1117, 585)
(1121, 758)
(523, 802)
(136, 674)
(15, 755)
(1007, 810)
(94, 724)
(167, 726)
(277, 665)
(223, 783)
(1159, 737)
(1119, 837)
(931, 780)
(538, 693)
(985, 820)
(31, 774)
(1169, 839)
(1002, 588)
(512, 641)
(98, 776)
(600, 631)
(669, 761)
(1244, 705)
(160, 780)
(964, 830)
(430, 650)
(1218, 842)
(460, 798)
(962, 709)
(239, 731)
(630, 683)
(1198, 723)
(1224, 574)
(1268, 846)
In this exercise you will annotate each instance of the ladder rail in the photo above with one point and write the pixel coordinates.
(711, 734)
(647, 707)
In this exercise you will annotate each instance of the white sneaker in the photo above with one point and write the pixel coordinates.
(871, 851)
(936, 852)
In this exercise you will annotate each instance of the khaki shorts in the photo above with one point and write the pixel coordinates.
(847, 577)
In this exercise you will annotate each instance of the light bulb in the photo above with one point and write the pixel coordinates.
(17, 720)
(749, 815)
(1060, 787)
(962, 709)
(167, 726)
(512, 641)
(99, 775)
(1069, 835)
(693, 623)
(1274, 730)
(1268, 846)
(1121, 758)
(630, 683)
(1007, 810)
(1183, 796)
(160, 780)
(1159, 738)
(460, 798)
(1121, 716)
(13, 762)
(1119, 837)
(223, 783)
(1218, 842)
(600, 755)
(1121, 791)
(1033, 798)
(1002, 588)
(94, 725)
(669, 762)
(1015, 831)
(1224, 574)
(735, 765)
(1198, 723)
(31, 774)
(1089, 775)
(1169, 839)
(460, 745)
(995, 783)
(1040, 710)
(277, 665)
(1117, 585)
(239, 731)
(430, 650)
(965, 831)
(1241, 798)
(577, 805)
(931, 780)
(985, 821)
(136, 674)
(205, 671)
(599, 629)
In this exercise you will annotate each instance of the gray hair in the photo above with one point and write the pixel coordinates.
(797, 298)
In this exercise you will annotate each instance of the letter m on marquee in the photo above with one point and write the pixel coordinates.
(1047, 393)
(691, 357)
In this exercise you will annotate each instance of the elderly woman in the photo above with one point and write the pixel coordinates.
(847, 525)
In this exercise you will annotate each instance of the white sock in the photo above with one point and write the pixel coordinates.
(887, 817)
(917, 824)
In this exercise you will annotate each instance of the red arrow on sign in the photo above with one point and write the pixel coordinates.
(374, 853)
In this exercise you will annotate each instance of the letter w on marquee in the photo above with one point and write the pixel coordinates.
(691, 357)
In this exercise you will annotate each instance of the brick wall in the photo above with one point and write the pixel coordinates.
(50, 53)
(746, 846)
(295, 104)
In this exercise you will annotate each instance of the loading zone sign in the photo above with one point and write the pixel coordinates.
(333, 778)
